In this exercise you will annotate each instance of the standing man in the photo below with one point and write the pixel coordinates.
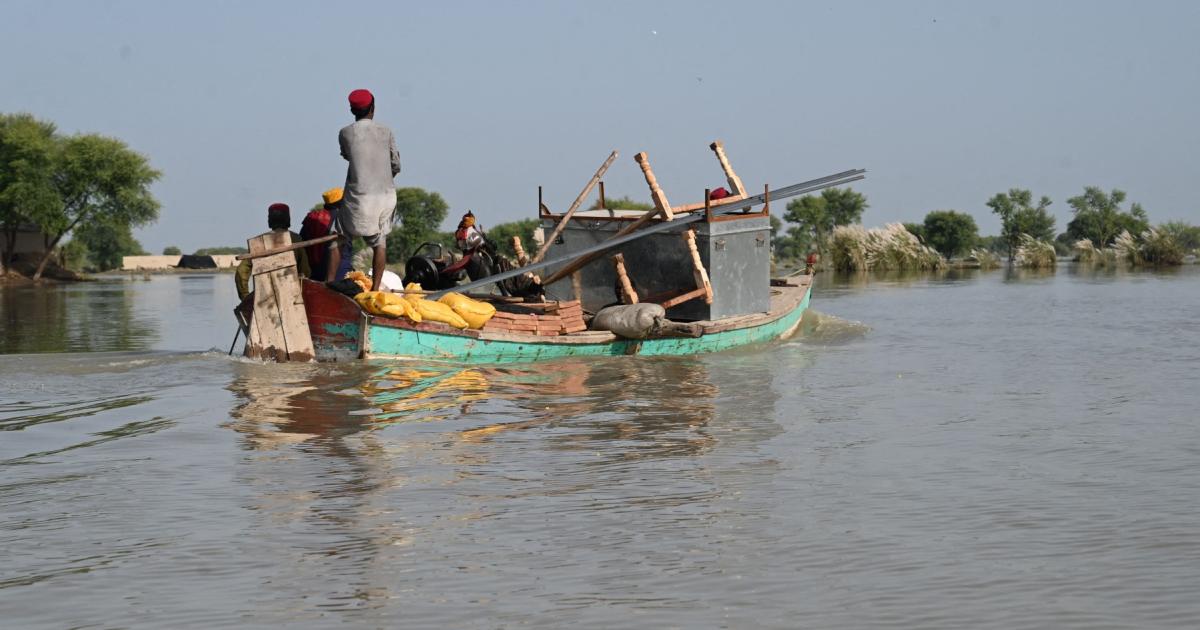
(369, 200)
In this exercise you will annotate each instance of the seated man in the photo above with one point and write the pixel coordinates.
(279, 219)
(318, 223)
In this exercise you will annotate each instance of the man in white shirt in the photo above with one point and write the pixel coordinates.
(369, 200)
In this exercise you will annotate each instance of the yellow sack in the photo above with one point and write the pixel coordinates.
(360, 279)
(431, 311)
(388, 300)
(386, 304)
(475, 312)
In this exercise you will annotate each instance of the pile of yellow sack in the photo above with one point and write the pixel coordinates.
(361, 279)
(454, 309)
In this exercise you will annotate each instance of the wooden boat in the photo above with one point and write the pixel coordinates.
(706, 263)
(341, 331)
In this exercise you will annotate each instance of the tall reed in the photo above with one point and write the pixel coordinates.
(890, 248)
(1158, 246)
(1161, 247)
(1035, 254)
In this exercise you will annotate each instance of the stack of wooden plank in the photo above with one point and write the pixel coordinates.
(545, 320)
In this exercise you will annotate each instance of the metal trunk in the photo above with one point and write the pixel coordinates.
(735, 250)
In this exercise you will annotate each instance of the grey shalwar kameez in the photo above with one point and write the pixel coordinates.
(369, 199)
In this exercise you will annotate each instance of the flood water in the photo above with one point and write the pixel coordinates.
(984, 451)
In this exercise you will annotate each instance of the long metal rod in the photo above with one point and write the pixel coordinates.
(789, 191)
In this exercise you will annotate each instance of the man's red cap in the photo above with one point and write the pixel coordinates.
(361, 99)
(278, 208)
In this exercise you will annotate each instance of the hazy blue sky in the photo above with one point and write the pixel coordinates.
(945, 103)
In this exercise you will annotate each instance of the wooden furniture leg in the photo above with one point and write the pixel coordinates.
(628, 295)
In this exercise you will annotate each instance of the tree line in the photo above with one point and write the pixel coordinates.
(418, 219)
(89, 186)
(1098, 218)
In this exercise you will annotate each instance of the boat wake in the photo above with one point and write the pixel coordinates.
(821, 328)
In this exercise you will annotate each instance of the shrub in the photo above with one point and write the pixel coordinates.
(1161, 247)
(1034, 254)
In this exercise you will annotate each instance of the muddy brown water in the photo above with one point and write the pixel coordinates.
(987, 450)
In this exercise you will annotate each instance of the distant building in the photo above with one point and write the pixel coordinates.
(153, 263)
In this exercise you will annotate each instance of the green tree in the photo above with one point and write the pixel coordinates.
(994, 244)
(950, 232)
(27, 195)
(107, 242)
(75, 255)
(621, 203)
(917, 230)
(98, 180)
(171, 250)
(1100, 219)
(816, 215)
(1019, 216)
(785, 243)
(1187, 235)
(501, 234)
(419, 214)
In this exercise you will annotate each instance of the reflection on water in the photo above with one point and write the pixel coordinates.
(79, 317)
(378, 463)
(638, 401)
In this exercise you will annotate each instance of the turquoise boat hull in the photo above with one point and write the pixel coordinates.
(341, 331)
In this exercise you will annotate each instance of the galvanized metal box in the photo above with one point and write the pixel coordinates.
(735, 250)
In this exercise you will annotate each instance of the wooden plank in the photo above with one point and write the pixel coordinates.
(279, 326)
(562, 223)
(717, 203)
(266, 330)
(684, 297)
(272, 263)
(296, 335)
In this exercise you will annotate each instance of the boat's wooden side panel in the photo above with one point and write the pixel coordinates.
(334, 321)
(393, 341)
